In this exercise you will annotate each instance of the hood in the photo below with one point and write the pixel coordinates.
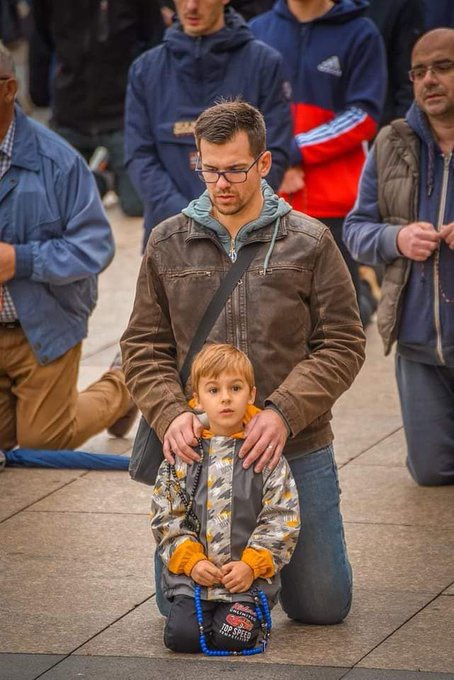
(418, 122)
(343, 11)
(232, 36)
(199, 210)
(273, 209)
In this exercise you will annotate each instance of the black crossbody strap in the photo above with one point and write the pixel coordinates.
(228, 283)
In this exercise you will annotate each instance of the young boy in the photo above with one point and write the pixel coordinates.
(215, 523)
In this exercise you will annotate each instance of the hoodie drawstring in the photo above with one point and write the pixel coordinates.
(270, 249)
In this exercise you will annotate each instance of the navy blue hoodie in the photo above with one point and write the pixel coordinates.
(337, 70)
(170, 85)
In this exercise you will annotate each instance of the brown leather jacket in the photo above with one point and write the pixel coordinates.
(297, 321)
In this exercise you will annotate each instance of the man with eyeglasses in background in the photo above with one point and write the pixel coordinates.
(294, 313)
(208, 53)
(404, 220)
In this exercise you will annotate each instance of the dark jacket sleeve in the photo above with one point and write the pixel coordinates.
(275, 107)
(336, 344)
(369, 239)
(149, 350)
(42, 14)
(150, 178)
(408, 26)
(150, 23)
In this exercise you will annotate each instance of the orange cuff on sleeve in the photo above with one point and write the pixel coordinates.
(185, 557)
(260, 561)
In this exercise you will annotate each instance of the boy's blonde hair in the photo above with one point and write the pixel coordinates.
(215, 359)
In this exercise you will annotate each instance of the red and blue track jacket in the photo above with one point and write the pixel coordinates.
(336, 65)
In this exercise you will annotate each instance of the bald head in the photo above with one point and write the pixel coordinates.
(438, 39)
(432, 73)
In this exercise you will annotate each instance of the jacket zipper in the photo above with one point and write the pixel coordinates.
(233, 254)
(436, 269)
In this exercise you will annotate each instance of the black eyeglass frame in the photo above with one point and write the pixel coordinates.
(438, 68)
(225, 173)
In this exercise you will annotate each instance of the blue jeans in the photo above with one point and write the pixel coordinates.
(317, 582)
(426, 396)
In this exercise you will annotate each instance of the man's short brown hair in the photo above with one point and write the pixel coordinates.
(215, 359)
(221, 122)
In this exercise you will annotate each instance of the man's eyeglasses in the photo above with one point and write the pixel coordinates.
(231, 176)
(438, 68)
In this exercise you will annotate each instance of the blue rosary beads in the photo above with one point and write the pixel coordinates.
(263, 614)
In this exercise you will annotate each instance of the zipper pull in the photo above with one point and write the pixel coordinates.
(232, 252)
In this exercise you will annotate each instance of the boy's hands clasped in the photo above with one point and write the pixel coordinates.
(205, 573)
(236, 576)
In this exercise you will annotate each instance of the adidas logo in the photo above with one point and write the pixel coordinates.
(331, 66)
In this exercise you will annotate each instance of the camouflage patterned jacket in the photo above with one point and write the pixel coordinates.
(244, 515)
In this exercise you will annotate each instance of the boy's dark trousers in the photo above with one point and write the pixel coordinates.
(232, 626)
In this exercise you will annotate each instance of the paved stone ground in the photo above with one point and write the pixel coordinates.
(77, 592)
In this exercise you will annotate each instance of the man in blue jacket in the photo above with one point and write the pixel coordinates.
(54, 240)
(207, 54)
(404, 220)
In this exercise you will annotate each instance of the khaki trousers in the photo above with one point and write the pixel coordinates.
(40, 406)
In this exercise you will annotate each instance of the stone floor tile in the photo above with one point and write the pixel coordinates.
(138, 634)
(104, 443)
(25, 666)
(101, 358)
(382, 495)
(65, 576)
(350, 440)
(449, 591)
(425, 643)
(401, 558)
(374, 616)
(391, 674)
(116, 284)
(390, 452)
(368, 412)
(98, 491)
(22, 487)
(111, 668)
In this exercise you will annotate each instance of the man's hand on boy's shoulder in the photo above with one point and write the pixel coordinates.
(266, 435)
(180, 437)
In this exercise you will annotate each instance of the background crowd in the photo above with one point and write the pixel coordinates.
(124, 83)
